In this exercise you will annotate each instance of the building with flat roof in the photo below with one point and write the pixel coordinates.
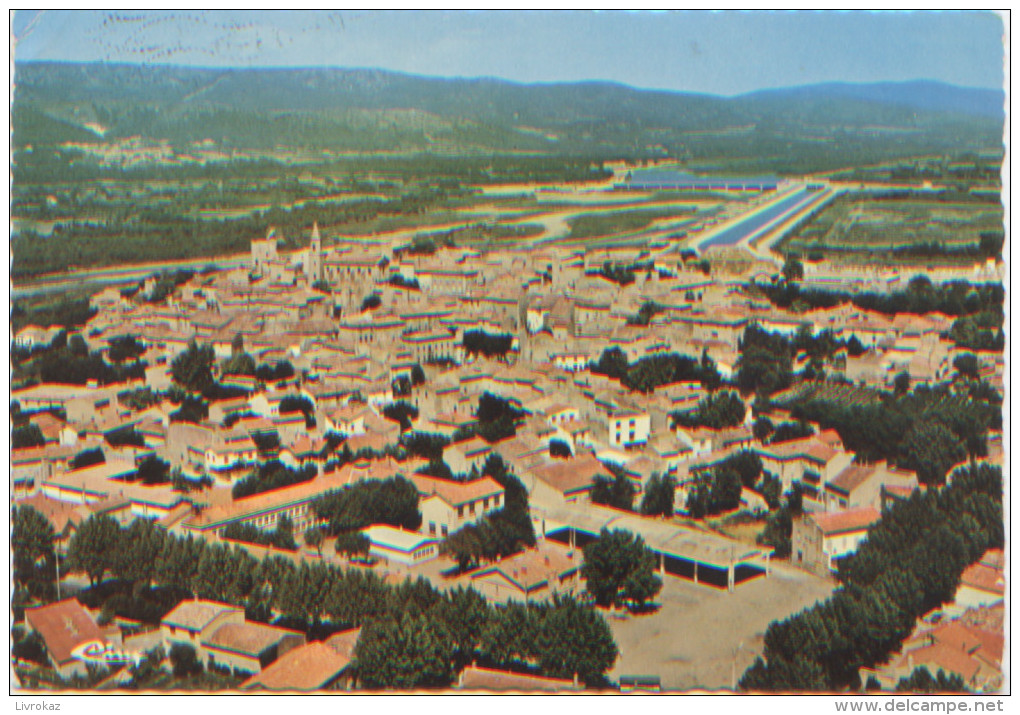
(706, 558)
(406, 547)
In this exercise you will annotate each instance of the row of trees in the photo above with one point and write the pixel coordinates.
(413, 635)
(716, 411)
(392, 501)
(928, 430)
(479, 342)
(271, 475)
(282, 537)
(765, 364)
(910, 563)
(654, 371)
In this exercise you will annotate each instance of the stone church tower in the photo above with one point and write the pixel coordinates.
(313, 266)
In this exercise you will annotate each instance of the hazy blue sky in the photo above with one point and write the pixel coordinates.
(713, 52)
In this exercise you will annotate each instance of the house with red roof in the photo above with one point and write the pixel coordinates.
(65, 626)
(321, 665)
(532, 575)
(863, 485)
(448, 505)
(818, 540)
(564, 481)
(969, 645)
(983, 583)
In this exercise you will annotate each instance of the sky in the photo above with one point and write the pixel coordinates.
(722, 53)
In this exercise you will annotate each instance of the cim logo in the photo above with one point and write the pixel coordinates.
(104, 654)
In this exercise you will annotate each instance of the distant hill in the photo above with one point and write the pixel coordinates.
(922, 95)
(790, 130)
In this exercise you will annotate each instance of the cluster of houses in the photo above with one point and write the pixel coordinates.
(964, 638)
(358, 324)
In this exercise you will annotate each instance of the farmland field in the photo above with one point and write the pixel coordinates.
(860, 223)
(846, 395)
(606, 224)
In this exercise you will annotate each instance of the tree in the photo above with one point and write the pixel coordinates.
(901, 383)
(140, 546)
(991, 243)
(747, 464)
(762, 428)
(491, 346)
(464, 546)
(617, 492)
(405, 652)
(417, 375)
(314, 538)
(930, 449)
(238, 364)
(32, 545)
(718, 410)
(192, 369)
(184, 660)
(771, 489)
(910, 563)
(968, 366)
(153, 470)
(353, 544)
(765, 363)
(793, 269)
(714, 492)
(94, 547)
(921, 681)
(516, 497)
(27, 436)
(559, 448)
(124, 348)
(402, 413)
(88, 458)
(510, 638)
(390, 501)
(620, 570)
(612, 363)
(789, 431)
(466, 614)
(659, 496)
(575, 640)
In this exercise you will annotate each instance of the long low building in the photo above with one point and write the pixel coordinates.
(264, 510)
(703, 557)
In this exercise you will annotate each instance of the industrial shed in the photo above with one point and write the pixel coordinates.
(662, 180)
(702, 557)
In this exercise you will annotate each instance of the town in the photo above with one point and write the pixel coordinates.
(549, 352)
(266, 472)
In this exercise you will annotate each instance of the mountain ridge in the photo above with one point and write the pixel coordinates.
(795, 129)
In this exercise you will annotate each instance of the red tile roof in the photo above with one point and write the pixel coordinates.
(196, 615)
(307, 667)
(64, 626)
(249, 638)
(456, 493)
(475, 678)
(571, 475)
(842, 522)
(984, 578)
